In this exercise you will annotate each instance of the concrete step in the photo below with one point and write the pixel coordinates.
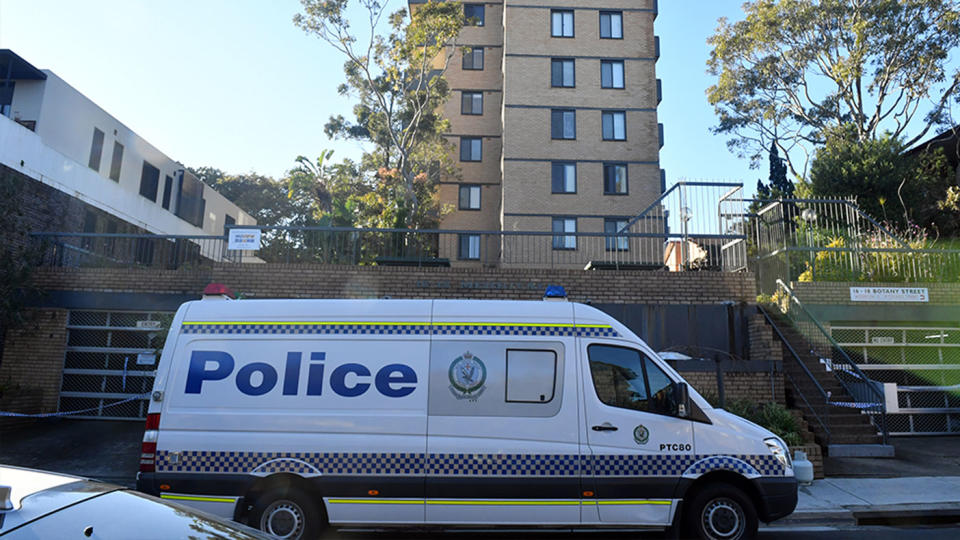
(860, 450)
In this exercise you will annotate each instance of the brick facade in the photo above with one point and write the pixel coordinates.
(33, 356)
(331, 281)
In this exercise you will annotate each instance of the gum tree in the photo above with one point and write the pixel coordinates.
(397, 75)
(792, 69)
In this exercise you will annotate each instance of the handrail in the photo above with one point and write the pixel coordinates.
(856, 370)
(663, 196)
(799, 361)
(836, 201)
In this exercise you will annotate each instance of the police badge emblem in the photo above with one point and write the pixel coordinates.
(641, 435)
(467, 376)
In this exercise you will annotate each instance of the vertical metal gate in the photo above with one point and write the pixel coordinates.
(111, 356)
(924, 362)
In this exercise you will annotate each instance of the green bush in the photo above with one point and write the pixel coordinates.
(772, 416)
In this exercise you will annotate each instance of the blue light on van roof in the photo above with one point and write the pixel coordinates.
(555, 291)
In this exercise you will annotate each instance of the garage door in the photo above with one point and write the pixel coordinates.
(110, 363)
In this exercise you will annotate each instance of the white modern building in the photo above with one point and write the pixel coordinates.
(52, 133)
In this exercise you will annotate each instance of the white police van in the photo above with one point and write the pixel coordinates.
(291, 415)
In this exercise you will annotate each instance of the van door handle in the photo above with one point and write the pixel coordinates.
(606, 426)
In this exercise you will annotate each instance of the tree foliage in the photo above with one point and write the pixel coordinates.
(397, 77)
(793, 69)
(902, 189)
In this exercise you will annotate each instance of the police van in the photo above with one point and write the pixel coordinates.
(295, 415)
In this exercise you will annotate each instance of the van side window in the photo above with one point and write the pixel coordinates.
(531, 375)
(627, 379)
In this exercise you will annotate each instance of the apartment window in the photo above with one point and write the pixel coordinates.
(227, 221)
(562, 73)
(614, 179)
(611, 25)
(89, 227)
(612, 226)
(563, 124)
(473, 58)
(469, 247)
(561, 23)
(471, 103)
(96, 150)
(564, 225)
(116, 162)
(611, 73)
(614, 126)
(167, 188)
(190, 204)
(149, 181)
(473, 14)
(471, 148)
(564, 177)
(469, 197)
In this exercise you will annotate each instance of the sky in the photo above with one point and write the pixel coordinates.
(233, 84)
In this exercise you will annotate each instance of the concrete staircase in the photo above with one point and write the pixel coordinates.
(842, 431)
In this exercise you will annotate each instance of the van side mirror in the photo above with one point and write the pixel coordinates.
(682, 395)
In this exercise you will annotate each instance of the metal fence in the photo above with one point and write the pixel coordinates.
(692, 226)
(833, 240)
(924, 363)
(110, 361)
(867, 394)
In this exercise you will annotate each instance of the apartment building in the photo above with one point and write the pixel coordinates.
(92, 169)
(554, 117)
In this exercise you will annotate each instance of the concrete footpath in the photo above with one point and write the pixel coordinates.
(876, 500)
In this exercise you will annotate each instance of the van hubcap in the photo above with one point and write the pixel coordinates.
(723, 518)
(282, 519)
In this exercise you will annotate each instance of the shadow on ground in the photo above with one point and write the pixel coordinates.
(914, 456)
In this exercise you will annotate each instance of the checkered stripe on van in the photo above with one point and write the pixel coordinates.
(399, 329)
(313, 329)
(407, 464)
(503, 465)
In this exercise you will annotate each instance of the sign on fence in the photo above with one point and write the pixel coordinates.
(889, 294)
(244, 239)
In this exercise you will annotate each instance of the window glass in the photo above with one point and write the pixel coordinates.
(612, 226)
(149, 181)
(611, 73)
(473, 14)
(96, 150)
(563, 124)
(469, 246)
(614, 126)
(561, 23)
(564, 177)
(627, 379)
(614, 179)
(611, 25)
(562, 73)
(473, 58)
(471, 148)
(564, 225)
(469, 197)
(167, 188)
(471, 103)
(116, 162)
(531, 376)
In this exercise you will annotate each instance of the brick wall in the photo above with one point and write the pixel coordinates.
(330, 281)
(33, 355)
(839, 293)
(752, 386)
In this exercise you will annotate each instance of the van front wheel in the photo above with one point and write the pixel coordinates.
(286, 513)
(721, 512)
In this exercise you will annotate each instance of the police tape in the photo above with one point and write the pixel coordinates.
(68, 413)
(853, 404)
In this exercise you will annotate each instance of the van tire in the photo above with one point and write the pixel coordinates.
(720, 512)
(288, 513)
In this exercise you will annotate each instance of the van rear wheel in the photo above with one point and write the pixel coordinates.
(286, 513)
(721, 512)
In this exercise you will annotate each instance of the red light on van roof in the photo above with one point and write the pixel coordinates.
(215, 289)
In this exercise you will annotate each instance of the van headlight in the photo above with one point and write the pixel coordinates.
(780, 451)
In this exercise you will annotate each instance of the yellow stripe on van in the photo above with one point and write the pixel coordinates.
(628, 503)
(487, 502)
(199, 499)
(372, 501)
